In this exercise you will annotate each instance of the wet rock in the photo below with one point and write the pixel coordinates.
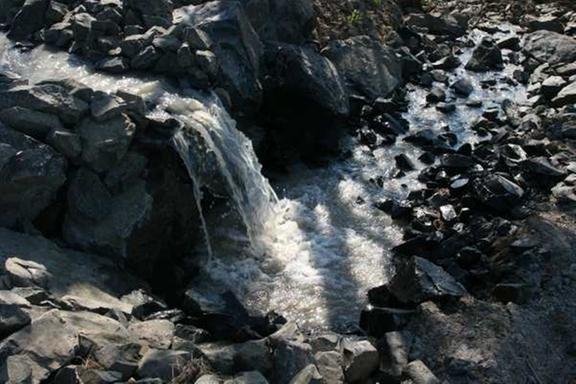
(367, 67)
(360, 359)
(446, 107)
(29, 19)
(463, 87)
(376, 321)
(498, 192)
(420, 373)
(418, 280)
(396, 209)
(455, 162)
(447, 63)
(485, 57)
(566, 96)
(542, 172)
(155, 12)
(550, 47)
(436, 95)
(66, 142)
(145, 59)
(113, 65)
(31, 175)
(404, 163)
(163, 364)
(30, 122)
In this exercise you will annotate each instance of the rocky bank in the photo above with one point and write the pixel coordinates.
(97, 201)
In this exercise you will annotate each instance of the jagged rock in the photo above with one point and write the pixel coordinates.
(512, 43)
(155, 333)
(145, 59)
(12, 318)
(66, 142)
(498, 192)
(114, 65)
(368, 68)
(164, 364)
(550, 47)
(566, 96)
(542, 172)
(236, 45)
(446, 107)
(154, 12)
(360, 359)
(31, 174)
(121, 358)
(30, 122)
(418, 280)
(485, 57)
(29, 19)
(420, 373)
(463, 87)
(290, 357)
(46, 97)
(447, 63)
(329, 365)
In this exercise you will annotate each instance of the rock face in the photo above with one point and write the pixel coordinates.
(550, 47)
(31, 175)
(237, 47)
(368, 68)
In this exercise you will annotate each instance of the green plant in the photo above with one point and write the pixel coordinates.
(355, 17)
(377, 3)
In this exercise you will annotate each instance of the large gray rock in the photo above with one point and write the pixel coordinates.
(29, 19)
(287, 21)
(290, 358)
(156, 334)
(51, 98)
(31, 174)
(248, 356)
(236, 45)
(550, 47)
(369, 68)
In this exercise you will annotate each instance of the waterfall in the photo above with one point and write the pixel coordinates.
(201, 114)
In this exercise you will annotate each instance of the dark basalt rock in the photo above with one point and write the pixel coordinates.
(497, 192)
(485, 57)
(463, 87)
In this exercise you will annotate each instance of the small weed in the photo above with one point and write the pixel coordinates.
(355, 17)
(377, 3)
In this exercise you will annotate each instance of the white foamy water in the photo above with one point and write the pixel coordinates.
(311, 254)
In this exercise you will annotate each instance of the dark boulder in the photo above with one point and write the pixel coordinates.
(29, 19)
(463, 87)
(441, 25)
(368, 68)
(305, 100)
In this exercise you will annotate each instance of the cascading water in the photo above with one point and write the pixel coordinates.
(312, 254)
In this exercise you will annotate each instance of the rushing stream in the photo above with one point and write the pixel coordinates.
(312, 252)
